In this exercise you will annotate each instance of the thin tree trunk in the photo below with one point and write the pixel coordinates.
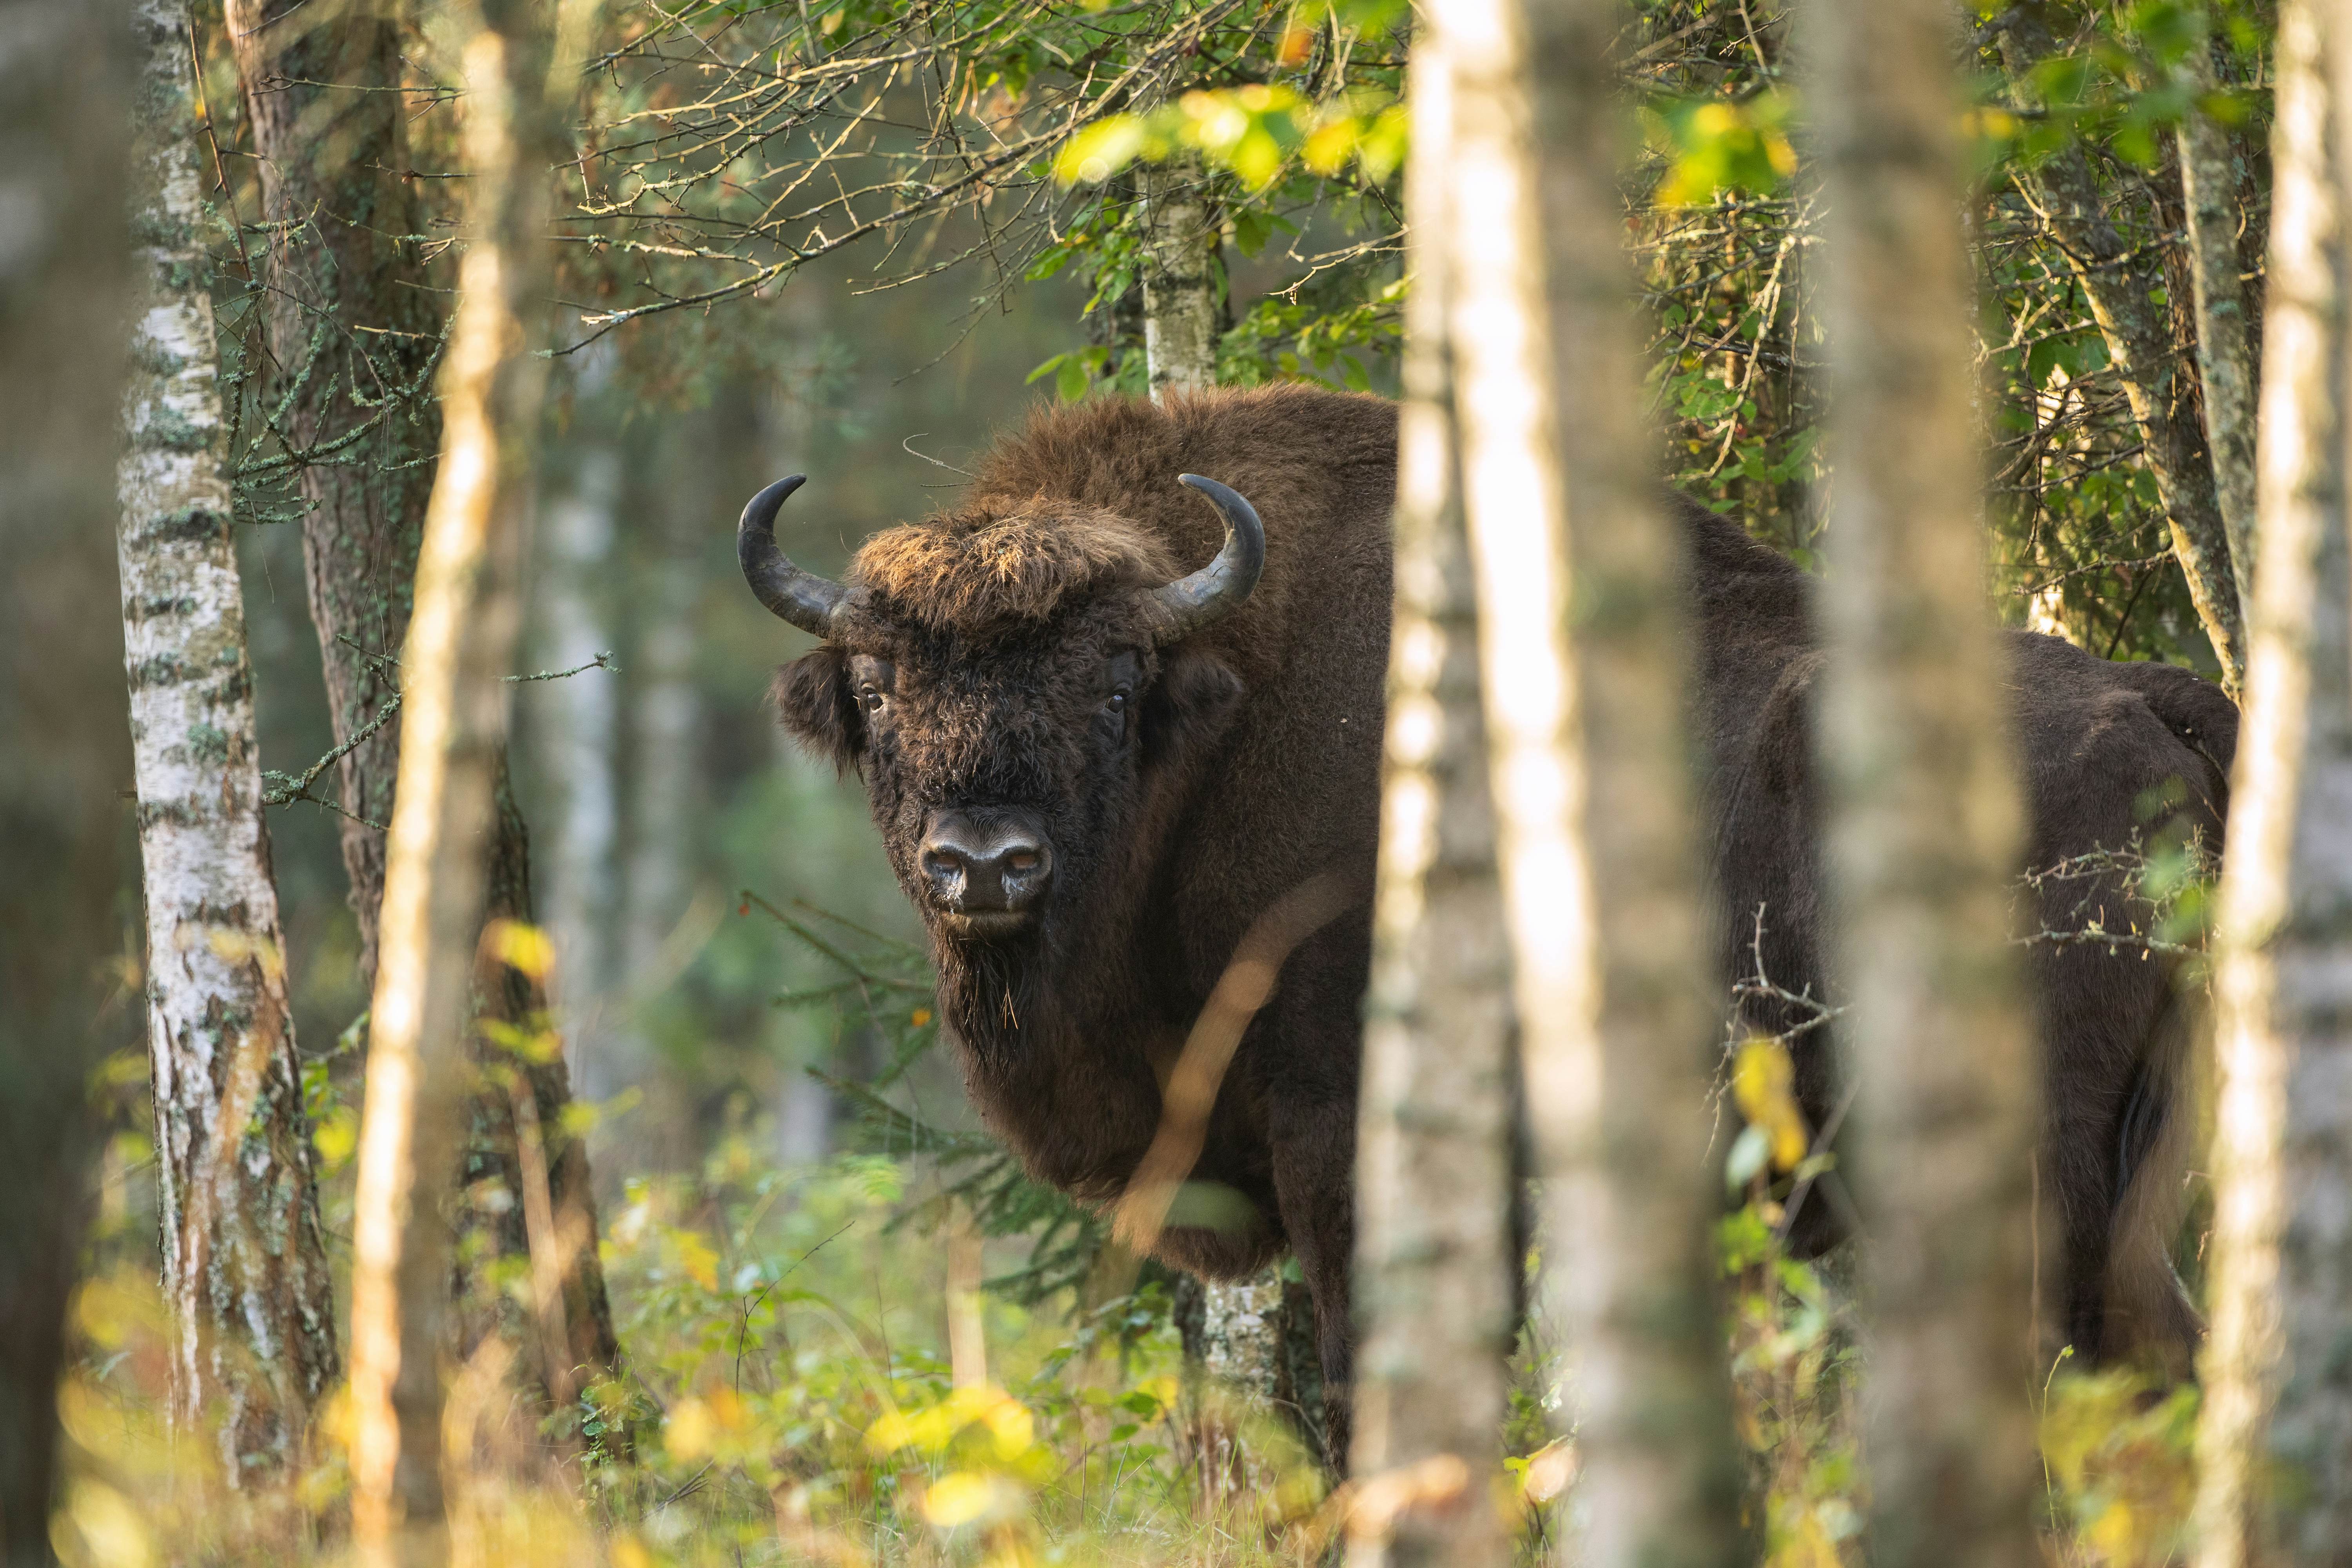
(65, 105)
(2275, 1443)
(244, 1269)
(579, 736)
(2225, 344)
(446, 805)
(1181, 317)
(2064, 191)
(1632, 1234)
(354, 331)
(1592, 792)
(1923, 830)
(1437, 1263)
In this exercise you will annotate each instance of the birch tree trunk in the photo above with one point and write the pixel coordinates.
(354, 331)
(2275, 1442)
(2139, 341)
(1632, 1006)
(458, 644)
(1437, 1263)
(1179, 278)
(1924, 827)
(64, 102)
(244, 1269)
(1580, 628)
(2225, 347)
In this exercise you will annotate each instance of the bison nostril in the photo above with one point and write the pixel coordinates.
(1023, 860)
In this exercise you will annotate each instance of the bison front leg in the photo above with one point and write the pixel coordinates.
(1313, 1183)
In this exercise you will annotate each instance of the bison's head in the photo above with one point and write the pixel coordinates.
(1017, 688)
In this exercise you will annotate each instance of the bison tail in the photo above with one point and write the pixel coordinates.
(2149, 1320)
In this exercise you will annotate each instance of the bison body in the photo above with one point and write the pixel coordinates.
(1093, 771)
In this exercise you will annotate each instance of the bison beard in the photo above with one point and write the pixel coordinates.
(1091, 777)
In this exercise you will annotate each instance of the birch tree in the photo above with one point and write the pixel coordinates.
(65, 98)
(2275, 1442)
(1924, 824)
(1436, 1260)
(1580, 595)
(244, 1269)
(459, 640)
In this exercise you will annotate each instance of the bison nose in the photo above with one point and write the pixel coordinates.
(993, 869)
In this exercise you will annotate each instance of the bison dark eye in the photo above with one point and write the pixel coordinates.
(870, 699)
(1118, 703)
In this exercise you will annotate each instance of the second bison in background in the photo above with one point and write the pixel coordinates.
(1106, 722)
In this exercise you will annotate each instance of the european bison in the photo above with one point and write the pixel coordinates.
(1105, 720)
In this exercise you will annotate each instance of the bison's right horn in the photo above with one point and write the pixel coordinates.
(1189, 604)
(810, 602)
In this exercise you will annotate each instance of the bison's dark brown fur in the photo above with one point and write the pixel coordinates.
(971, 674)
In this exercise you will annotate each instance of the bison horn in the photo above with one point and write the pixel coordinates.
(810, 602)
(1191, 602)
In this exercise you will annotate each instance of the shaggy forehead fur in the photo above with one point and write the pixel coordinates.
(992, 570)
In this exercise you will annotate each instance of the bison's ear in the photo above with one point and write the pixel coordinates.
(1189, 706)
(813, 698)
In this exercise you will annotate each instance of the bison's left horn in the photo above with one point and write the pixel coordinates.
(1189, 604)
(810, 602)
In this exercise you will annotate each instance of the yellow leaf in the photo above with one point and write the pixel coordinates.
(1763, 1079)
(690, 1431)
(922, 1015)
(694, 1256)
(1100, 151)
(522, 947)
(962, 1497)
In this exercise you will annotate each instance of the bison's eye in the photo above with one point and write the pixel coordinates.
(869, 699)
(1117, 706)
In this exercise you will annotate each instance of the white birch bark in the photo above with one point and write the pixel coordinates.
(245, 1271)
(2274, 1440)
(1579, 593)
(461, 637)
(1924, 818)
(1179, 278)
(1630, 1242)
(1434, 1248)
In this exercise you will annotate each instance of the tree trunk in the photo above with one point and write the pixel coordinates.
(65, 106)
(244, 1269)
(580, 738)
(2275, 1443)
(1181, 316)
(2225, 343)
(354, 331)
(1592, 791)
(1633, 1229)
(446, 803)
(2065, 193)
(1437, 1263)
(1924, 828)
